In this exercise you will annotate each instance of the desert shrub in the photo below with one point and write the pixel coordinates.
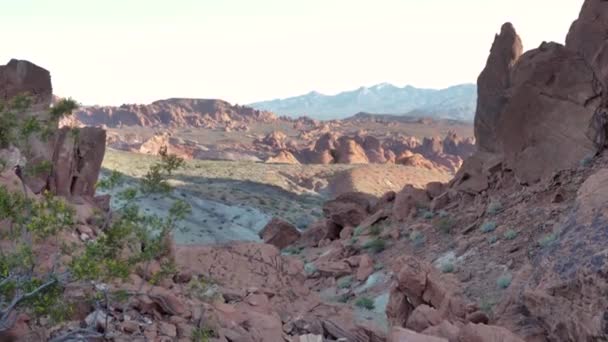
(488, 226)
(504, 281)
(487, 305)
(310, 269)
(586, 161)
(127, 237)
(447, 267)
(375, 246)
(202, 335)
(293, 250)
(547, 240)
(365, 303)
(345, 282)
(417, 238)
(427, 214)
(376, 229)
(492, 239)
(510, 234)
(445, 225)
(494, 207)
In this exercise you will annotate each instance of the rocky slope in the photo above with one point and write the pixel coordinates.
(457, 102)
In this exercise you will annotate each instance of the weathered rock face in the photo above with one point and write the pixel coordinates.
(77, 161)
(587, 36)
(492, 86)
(283, 157)
(546, 125)
(279, 233)
(22, 77)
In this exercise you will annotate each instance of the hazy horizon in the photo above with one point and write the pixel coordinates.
(113, 52)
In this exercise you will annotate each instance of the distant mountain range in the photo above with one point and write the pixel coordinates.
(456, 102)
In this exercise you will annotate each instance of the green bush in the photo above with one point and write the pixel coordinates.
(345, 282)
(365, 303)
(492, 239)
(504, 281)
(447, 267)
(417, 238)
(445, 225)
(494, 207)
(375, 246)
(510, 234)
(548, 240)
(488, 226)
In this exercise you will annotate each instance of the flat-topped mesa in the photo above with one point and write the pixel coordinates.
(492, 86)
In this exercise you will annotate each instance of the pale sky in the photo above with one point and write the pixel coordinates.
(137, 51)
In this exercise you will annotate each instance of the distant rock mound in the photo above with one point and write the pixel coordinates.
(174, 112)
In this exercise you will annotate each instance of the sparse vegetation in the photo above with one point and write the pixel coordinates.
(492, 239)
(375, 246)
(587, 161)
(487, 305)
(445, 225)
(126, 238)
(345, 282)
(417, 238)
(447, 267)
(494, 207)
(365, 303)
(202, 335)
(510, 234)
(547, 240)
(488, 226)
(504, 281)
(427, 214)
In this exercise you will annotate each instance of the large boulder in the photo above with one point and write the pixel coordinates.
(492, 86)
(19, 77)
(348, 209)
(77, 161)
(279, 233)
(408, 201)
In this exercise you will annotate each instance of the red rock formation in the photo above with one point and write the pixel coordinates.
(279, 233)
(77, 161)
(492, 86)
(22, 77)
(174, 113)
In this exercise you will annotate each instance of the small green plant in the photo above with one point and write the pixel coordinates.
(417, 238)
(376, 229)
(492, 239)
(345, 282)
(365, 303)
(494, 207)
(358, 231)
(445, 225)
(375, 246)
(310, 269)
(587, 161)
(488, 226)
(510, 234)
(447, 267)
(293, 250)
(504, 281)
(547, 240)
(202, 335)
(486, 305)
(443, 213)
(427, 214)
